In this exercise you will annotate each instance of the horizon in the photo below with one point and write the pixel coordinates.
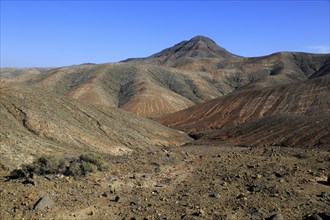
(55, 33)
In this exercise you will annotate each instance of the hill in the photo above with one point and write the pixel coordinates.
(189, 73)
(298, 111)
(17, 72)
(36, 122)
(146, 90)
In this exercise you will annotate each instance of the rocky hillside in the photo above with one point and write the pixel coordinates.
(301, 110)
(277, 131)
(35, 122)
(310, 98)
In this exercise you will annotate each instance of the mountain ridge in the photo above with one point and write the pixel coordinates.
(176, 80)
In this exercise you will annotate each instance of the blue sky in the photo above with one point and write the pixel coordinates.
(59, 33)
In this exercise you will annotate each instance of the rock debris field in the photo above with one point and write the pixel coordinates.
(188, 182)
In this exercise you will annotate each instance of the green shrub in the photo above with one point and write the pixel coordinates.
(18, 173)
(94, 159)
(87, 167)
(45, 165)
(73, 169)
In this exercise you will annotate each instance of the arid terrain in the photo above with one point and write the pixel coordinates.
(191, 132)
(193, 182)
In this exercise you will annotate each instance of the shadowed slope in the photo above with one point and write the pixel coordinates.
(35, 122)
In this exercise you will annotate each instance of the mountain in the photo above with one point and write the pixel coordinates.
(36, 122)
(257, 113)
(24, 72)
(201, 54)
(197, 48)
(176, 78)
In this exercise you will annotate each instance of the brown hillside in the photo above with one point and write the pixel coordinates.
(35, 122)
(146, 90)
(283, 130)
(309, 98)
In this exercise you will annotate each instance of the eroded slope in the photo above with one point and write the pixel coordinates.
(35, 122)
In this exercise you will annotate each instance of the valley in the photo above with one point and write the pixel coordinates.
(191, 132)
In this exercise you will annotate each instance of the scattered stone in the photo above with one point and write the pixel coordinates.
(43, 202)
(215, 195)
(132, 177)
(155, 192)
(314, 217)
(325, 215)
(278, 174)
(133, 203)
(277, 216)
(241, 196)
(183, 216)
(253, 188)
(116, 199)
(29, 182)
(324, 195)
(318, 216)
(112, 178)
(200, 212)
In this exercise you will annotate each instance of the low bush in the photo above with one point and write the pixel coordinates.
(46, 165)
(95, 159)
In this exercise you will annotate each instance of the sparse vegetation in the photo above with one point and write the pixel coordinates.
(95, 159)
(46, 165)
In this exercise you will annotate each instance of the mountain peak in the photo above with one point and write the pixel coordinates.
(198, 47)
(201, 38)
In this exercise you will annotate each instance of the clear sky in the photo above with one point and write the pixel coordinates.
(58, 33)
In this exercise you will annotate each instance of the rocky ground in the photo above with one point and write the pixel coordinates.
(190, 182)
